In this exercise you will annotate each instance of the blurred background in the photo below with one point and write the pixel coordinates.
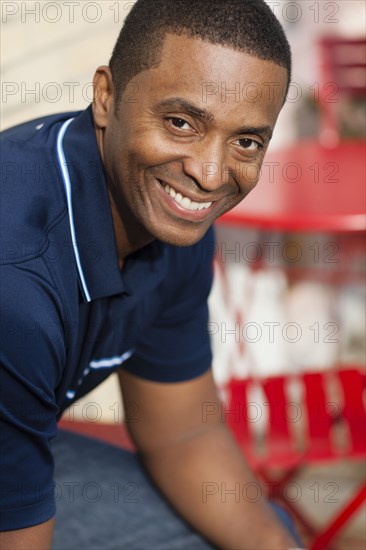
(50, 50)
(289, 291)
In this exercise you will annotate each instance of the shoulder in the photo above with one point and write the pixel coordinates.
(38, 130)
(32, 197)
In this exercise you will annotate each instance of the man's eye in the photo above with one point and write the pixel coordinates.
(179, 123)
(250, 144)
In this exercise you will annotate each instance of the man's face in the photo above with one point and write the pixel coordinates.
(190, 137)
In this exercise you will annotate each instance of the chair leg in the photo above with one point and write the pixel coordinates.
(275, 489)
(326, 536)
(301, 519)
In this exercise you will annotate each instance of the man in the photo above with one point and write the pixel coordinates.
(106, 265)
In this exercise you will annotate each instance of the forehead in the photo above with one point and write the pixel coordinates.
(213, 75)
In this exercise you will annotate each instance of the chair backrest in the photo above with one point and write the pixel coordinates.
(343, 64)
(267, 436)
(317, 413)
(353, 382)
(279, 438)
(318, 416)
(239, 422)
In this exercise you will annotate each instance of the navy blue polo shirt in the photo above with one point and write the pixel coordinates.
(70, 316)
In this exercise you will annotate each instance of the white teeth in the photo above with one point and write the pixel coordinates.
(186, 202)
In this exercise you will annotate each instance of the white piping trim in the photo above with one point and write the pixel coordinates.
(101, 364)
(112, 362)
(68, 190)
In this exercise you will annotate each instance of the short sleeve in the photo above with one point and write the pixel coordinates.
(31, 357)
(176, 346)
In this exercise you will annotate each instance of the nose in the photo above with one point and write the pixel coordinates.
(206, 164)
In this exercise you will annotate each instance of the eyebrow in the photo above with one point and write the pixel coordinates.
(184, 105)
(177, 102)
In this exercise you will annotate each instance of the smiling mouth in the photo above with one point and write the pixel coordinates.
(184, 202)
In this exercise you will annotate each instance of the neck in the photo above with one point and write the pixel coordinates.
(129, 236)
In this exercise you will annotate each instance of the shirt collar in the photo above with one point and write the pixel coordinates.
(89, 210)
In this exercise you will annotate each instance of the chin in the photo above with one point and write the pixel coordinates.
(176, 238)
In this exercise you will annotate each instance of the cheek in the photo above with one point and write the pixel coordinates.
(157, 153)
(153, 146)
(248, 176)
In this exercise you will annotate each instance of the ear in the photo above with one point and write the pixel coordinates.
(103, 96)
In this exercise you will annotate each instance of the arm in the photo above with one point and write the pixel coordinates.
(185, 455)
(38, 537)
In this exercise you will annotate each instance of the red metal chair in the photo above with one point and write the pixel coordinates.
(343, 74)
(284, 454)
(309, 204)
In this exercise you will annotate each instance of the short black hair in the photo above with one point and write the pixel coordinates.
(243, 25)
